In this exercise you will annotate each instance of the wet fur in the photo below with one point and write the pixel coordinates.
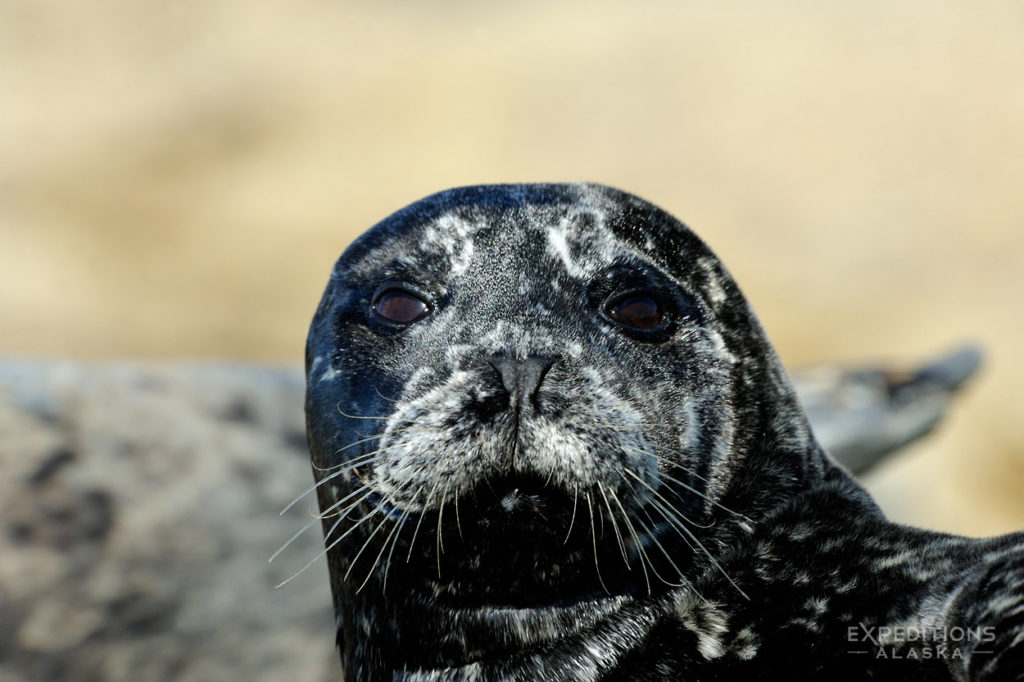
(651, 508)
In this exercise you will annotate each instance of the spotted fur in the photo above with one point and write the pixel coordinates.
(516, 486)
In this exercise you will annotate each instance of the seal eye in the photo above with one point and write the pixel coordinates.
(639, 311)
(399, 306)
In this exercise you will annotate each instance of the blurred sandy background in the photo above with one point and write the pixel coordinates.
(177, 177)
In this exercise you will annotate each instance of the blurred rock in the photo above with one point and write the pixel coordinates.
(139, 506)
(862, 414)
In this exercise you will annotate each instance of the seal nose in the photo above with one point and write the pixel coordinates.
(522, 378)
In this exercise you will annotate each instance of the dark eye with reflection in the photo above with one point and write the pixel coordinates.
(399, 306)
(638, 311)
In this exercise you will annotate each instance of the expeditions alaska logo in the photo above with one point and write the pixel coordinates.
(912, 642)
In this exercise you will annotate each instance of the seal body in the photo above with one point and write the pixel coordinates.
(552, 442)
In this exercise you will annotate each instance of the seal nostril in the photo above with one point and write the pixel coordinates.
(522, 378)
(504, 366)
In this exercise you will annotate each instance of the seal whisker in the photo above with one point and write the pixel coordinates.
(458, 518)
(326, 549)
(678, 516)
(360, 441)
(366, 439)
(362, 459)
(316, 518)
(686, 536)
(307, 491)
(672, 518)
(440, 541)
(667, 509)
(387, 562)
(572, 519)
(347, 464)
(615, 527)
(384, 397)
(636, 539)
(702, 495)
(422, 514)
(650, 532)
(345, 414)
(552, 467)
(687, 470)
(593, 538)
(408, 513)
(693, 537)
(355, 525)
(376, 560)
(366, 542)
(632, 427)
(292, 539)
(329, 513)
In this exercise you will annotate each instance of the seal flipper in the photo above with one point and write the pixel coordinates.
(861, 415)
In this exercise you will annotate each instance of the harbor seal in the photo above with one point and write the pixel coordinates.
(551, 441)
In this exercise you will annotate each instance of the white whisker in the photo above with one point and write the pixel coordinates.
(593, 537)
(366, 543)
(681, 527)
(326, 549)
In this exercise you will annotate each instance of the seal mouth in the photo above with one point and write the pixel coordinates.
(513, 499)
(525, 541)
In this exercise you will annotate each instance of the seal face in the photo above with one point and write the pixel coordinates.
(551, 441)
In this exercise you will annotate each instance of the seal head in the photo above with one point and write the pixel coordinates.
(526, 361)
